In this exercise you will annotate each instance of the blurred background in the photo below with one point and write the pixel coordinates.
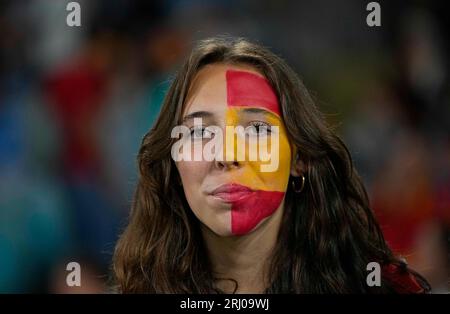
(75, 103)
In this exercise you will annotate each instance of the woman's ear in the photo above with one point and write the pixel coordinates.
(297, 165)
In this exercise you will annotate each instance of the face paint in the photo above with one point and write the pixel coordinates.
(248, 90)
(251, 90)
(248, 212)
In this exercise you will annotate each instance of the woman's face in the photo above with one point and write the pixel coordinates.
(234, 196)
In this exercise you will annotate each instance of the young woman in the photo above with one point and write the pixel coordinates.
(226, 225)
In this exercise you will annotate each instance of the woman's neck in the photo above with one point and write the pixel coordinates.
(245, 258)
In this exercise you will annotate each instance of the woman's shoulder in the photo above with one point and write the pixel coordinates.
(404, 280)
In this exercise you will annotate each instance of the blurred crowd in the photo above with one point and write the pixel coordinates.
(75, 103)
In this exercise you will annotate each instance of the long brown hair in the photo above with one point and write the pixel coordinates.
(329, 233)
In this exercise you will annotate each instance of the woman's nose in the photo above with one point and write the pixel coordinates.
(232, 149)
(226, 164)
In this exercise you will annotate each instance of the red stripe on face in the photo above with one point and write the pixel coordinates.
(249, 89)
(248, 212)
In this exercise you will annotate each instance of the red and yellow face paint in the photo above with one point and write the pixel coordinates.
(248, 90)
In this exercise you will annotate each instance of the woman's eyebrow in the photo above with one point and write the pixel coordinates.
(260, 110)
(197, 114)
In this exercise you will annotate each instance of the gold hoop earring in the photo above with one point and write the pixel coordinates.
(294, 186)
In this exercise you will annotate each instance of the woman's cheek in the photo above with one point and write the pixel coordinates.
(276, 180)
(191, 173)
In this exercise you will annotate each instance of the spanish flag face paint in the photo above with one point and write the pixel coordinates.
(247, 90)
(234, 196)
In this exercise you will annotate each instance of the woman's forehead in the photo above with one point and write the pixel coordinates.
(246, 89)
(219, 86)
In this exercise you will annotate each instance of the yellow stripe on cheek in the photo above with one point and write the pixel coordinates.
(250, 174)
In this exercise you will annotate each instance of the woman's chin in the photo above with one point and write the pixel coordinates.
(226, 231)
(220, 231)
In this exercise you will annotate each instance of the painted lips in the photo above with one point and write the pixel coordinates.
(248, 207)
(230, 193)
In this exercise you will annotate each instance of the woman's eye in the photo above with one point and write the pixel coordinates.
(258, 129)
(198, 133)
